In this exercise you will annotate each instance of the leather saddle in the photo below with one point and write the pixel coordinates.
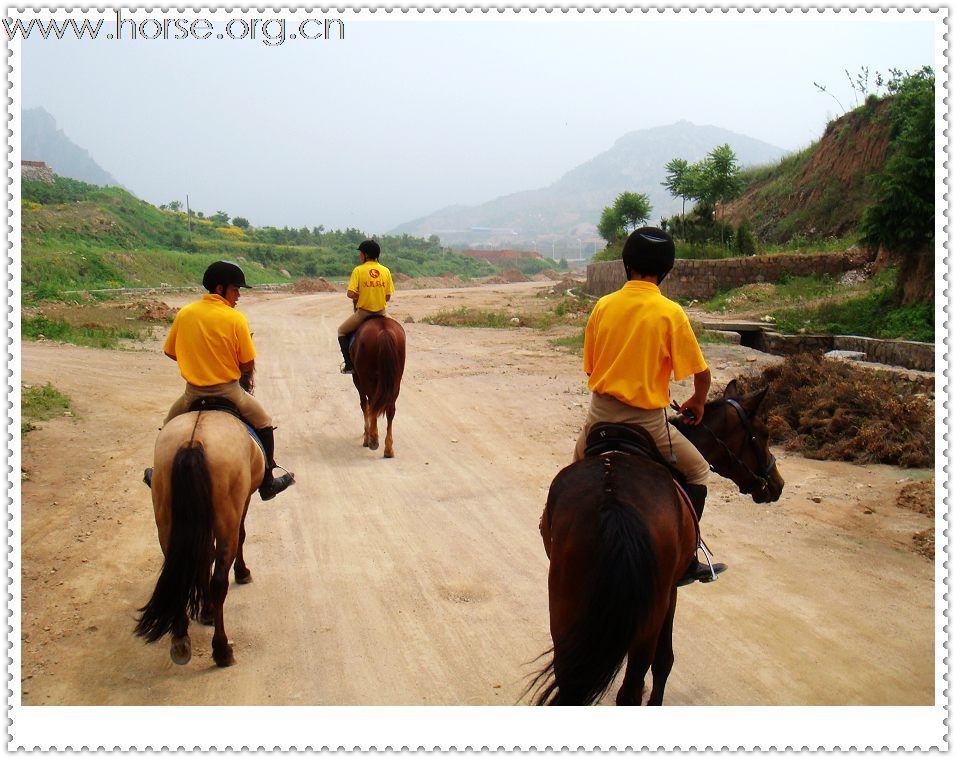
(224, 404)
(608, 437)
(216, 404)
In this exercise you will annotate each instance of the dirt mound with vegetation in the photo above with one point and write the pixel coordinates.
(821, 191)
(832, 410)
(316, 285)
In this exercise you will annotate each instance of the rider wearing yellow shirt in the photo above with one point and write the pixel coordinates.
(370, 289)
(211, 343)
(634, 341)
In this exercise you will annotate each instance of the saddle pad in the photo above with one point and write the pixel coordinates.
(258, 441)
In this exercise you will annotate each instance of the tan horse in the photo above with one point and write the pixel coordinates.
(206, 468)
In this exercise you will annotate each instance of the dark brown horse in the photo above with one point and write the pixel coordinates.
(206, 466)
(378, 358)
(619, 537)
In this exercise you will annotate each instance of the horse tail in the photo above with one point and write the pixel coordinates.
(183, 585)
(389, 357)
(585, 662)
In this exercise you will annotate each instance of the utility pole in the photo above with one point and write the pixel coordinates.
(189, 225)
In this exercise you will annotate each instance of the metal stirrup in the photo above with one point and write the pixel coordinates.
(709, 556)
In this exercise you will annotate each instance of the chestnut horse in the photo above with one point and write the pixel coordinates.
(206, 466)
(619, 536)
(378, 358)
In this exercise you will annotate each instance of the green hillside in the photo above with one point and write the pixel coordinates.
(80, 236)
(822, 191)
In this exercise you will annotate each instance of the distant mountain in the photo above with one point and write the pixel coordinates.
(564, 214)
(42, 141)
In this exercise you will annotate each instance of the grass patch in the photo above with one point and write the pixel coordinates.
(565, 310)
(39, 404)
(90, 335)
(833, 410)
(872, 315)
(573, 344)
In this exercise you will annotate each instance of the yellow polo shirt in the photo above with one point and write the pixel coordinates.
(372, 282)
(634, 340)
(209, 339)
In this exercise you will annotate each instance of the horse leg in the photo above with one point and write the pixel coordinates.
(664, 655)
(371, 422)
(389, 448)
(631, 692)
(364, 403)
(180, 647)
(219, 586)
(206, 616)
(242, 573)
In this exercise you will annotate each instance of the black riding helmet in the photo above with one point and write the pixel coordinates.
(223, 273)
(648, 250)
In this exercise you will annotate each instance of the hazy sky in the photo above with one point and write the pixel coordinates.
(413, 112)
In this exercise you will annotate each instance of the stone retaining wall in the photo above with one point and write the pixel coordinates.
(905, 353)
(702, 279)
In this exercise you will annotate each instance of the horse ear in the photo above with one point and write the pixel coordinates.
(731, 390)
(753, 401)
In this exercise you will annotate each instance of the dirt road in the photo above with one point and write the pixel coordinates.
(422, 580)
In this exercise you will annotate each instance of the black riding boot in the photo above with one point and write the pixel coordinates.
(698, 571)
(148, 477)
(272, 486)
(344, 345)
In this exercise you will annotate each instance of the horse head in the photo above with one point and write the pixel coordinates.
(735, 444)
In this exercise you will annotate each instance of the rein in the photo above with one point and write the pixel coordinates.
(748, 428)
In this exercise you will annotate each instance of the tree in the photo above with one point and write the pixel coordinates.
(902, 219)
(677, 184)
(714, 180)
(174, 205)
(220, 217)
(634, 208)
(240, 222)
(628, 212)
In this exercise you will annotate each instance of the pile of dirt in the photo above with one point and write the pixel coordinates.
(561, 287)
(919, 497)
(156, 311)
(316, 285)
(547, 275)
(834, 410)
(424, 283)
(507, 277)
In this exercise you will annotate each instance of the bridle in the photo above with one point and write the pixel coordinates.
(763, 479)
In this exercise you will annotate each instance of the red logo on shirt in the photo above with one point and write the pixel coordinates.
(374, 273)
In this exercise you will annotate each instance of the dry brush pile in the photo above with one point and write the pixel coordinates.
(829, 409)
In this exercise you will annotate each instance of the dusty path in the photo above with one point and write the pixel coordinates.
(422, 580)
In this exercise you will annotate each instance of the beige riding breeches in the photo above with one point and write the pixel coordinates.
(250, 409)
(606, 408)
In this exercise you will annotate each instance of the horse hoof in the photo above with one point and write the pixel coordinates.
(224, 658)
(181, 651)
(390, 454)
(206, 618)
(243, 578)
(373, 445)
